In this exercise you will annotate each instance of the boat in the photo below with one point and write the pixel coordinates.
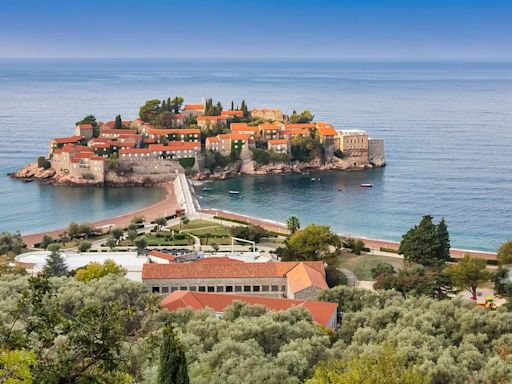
(206, 189)
(313, 179)
(234, 192)
(366, 185)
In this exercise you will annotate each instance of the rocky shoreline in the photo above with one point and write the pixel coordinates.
(251, 168)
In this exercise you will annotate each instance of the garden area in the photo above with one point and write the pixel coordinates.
(362, 265)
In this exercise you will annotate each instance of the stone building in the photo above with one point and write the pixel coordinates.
(279, 146)
(268, 114)
(299, 280)
(85, 130)
(376, 152)
(353, 141)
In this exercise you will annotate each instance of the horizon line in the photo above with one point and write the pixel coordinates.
(348, 59)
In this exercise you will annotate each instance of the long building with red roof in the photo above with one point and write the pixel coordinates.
(292, 279)
(322, 313)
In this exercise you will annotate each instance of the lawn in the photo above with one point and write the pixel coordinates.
(362, 265)
(195, 224)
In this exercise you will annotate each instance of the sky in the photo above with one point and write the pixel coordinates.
(266, 29)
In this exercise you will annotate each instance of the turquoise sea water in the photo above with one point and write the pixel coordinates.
(447, 126)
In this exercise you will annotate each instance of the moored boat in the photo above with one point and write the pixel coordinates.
(366, 185)
(234, 192)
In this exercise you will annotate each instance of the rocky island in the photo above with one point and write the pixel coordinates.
(203, 140)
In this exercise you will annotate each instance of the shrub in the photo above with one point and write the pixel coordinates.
(382, 268)
(187, 162)
(338, 154)
(389, 250)
(43, 163)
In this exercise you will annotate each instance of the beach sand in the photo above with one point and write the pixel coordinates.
(374, 244)
(165, 207)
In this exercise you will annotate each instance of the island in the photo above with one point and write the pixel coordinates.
(204, 141)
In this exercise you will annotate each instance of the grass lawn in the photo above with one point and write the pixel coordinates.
(195, 224)
(153, 240)
(214, 231)
(362, 265)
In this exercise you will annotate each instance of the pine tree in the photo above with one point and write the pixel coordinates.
(444, 241)
(55, 263)
(173, 362)
(421, 243)
(163, 106)
(118, 123)
(232, 106)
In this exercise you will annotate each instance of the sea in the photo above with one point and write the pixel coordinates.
(447, 128)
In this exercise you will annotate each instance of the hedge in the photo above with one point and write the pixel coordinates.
(187, 162)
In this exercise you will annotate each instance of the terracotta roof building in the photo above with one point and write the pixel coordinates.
(292, 279)
(323, 313)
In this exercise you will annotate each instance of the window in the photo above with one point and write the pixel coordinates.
(283, 288)
(265, 288)
(247, 288)
(183, 288)
(211, 289)
(155, 289)
(202, 289)
(229, 288)
(238, 288)
(275, 288)
(165, 289)
(220, 288)
(192, 288)
(174, 288)
(255, 288)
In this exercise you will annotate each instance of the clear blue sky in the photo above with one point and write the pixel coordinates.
(343, 29)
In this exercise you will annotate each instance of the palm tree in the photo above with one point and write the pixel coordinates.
(293, 224)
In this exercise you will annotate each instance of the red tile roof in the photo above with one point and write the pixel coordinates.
(70, 139)
(134, 150)
(222, 259)
(232, 113)
(327, 130)
(195, 107)
(177, 131)
(321, 312)
(224, 270)
(300, 126)
(213, 139)
(243, 127)
(268, 127)
(278, 141)
(85, 126)
(162, 255)
(239, 136)
(295, 132)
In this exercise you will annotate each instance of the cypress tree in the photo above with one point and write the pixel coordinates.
(173, 362)
(118, 123)
(55, 263)
(232, 106)
(444, 241)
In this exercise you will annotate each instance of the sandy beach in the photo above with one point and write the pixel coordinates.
(167, 206)
(370, 243)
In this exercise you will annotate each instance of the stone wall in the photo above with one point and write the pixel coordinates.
(376, 152)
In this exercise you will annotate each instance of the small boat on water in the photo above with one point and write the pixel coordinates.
(313, 179)
(366, 185)
(234, 192)
(206, 189)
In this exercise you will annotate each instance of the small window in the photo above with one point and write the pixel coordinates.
(220, 288)
(211, 289)
(183, 288)
(275, 288)
(229, 288)
(155, 289)
(192, 288)
(165, 289)
(238, 288)
(247, 288)
(202, 289)
(283, 288)
(265, 288)
(255, 288)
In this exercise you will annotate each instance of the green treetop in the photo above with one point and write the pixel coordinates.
(55, 263)
(173, 362)
(118, 124)
(505, 253)
(468, 273)
(426, 243)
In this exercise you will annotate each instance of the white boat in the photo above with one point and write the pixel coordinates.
(366, 185)
(206, 189)
(234, 192)
(313, 179)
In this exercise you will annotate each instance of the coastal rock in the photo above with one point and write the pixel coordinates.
(33, 171)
